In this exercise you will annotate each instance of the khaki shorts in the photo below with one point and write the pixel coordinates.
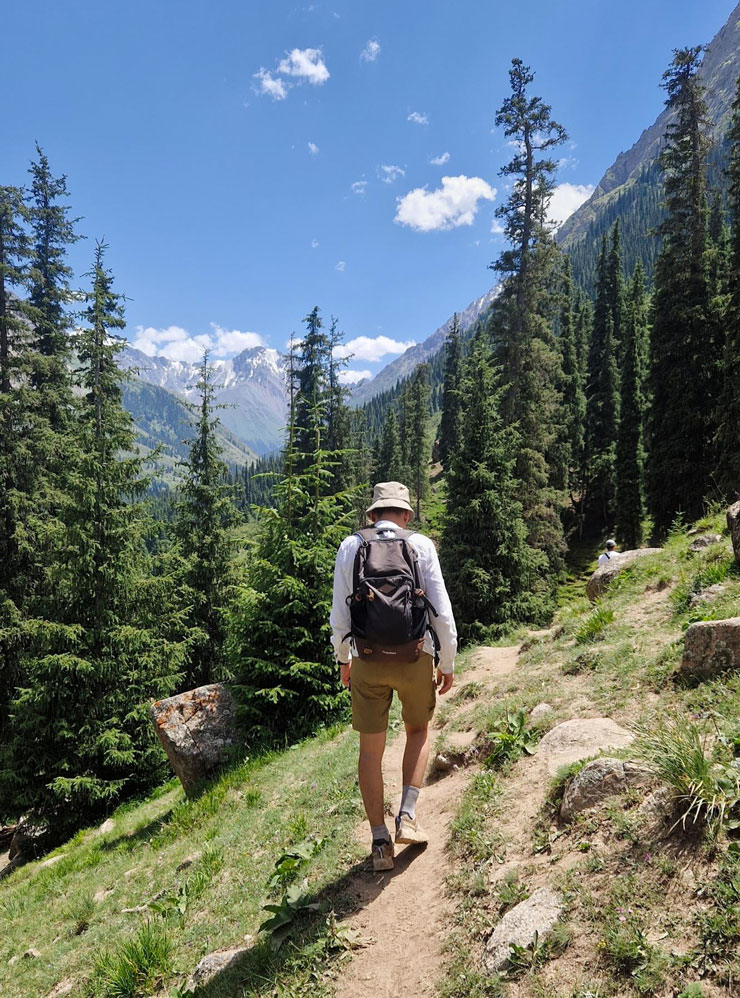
(372, 693)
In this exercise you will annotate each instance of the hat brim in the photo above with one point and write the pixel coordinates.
(389, 503)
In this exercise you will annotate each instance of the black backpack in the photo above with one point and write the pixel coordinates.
(388, 608)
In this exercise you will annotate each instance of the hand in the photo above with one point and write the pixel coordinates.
(444, 681)
(344, 670)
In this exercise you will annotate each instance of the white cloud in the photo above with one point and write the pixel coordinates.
(389, 174)
(371, 51)
(497, 228)
(307, 64)
(176, 343)
(314, 243)
(352, 377)
(341, 266)
(313, 148)
(230, 341)
(454, 203)
(440, 160)
(371, 348)
(271, 85)
(359, 187)
(566, 198)
(419, 117)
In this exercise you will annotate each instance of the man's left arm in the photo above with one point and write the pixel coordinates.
(444, 622)
(340, 616)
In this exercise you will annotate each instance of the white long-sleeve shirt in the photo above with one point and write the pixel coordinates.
(432, 583)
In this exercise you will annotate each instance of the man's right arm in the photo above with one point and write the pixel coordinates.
(340, 616)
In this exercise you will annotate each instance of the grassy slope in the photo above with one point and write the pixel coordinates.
(241, 825)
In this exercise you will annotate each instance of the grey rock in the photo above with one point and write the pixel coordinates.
(442, 763)
(605, 574)
(704, 541)
(733, 525)
(710, 648)
(107, 827)
(214, 964)
(51, 861)
(196, 730)
(31, 954)
(598, 780)
(708, 595)
(538, 914)
(26, 842)
(658, 811)
(188, 861)
(580, 738)
(540, 711)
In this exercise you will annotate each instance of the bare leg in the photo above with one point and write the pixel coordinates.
(415, 755)
(370, 775)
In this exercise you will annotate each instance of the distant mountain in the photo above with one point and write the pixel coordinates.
(251, 386)
(631, 188)
(404, 365)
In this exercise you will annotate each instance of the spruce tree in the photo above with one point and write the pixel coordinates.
(630, 448)
(490, 571)
(728, 410)
(311, 367)
(390, 462)
(450, 427)
(415, 442)
(49, 291)
(522, 317)
(574, 398)
(683, 372)
(204, 514)
(602, 401)
(96, 652)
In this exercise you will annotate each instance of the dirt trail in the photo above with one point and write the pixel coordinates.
(404, 914)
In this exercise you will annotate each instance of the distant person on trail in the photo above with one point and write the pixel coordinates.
(389, 613)
(606, 556)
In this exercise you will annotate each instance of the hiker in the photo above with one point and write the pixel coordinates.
(380, 572)
(605, 556)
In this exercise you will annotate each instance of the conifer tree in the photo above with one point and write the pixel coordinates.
(728, 410)
(311, 366)
(450, 427)
(415, 443)
(490, 571)
(339, 437)
(49, 291)
(204, 513)
(390, 462)
(630, 449)
(522, 317)
(278, 644)
(682, 365)
(574, 398)
(602, 405)
(95, 653)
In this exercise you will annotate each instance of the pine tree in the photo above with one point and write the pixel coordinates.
(339, 436)
(312, 361)
(96, 651)
(490, 571)
(49, 291)
(728, 410)
(630, 449)
(683, 365)
(574, 398)
(278, 644)
(204, 513)
(450, 427)
(602, 400)
(523, 315)
(416, 445)
(390, 463)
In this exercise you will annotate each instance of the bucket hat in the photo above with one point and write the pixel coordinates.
(390, 495)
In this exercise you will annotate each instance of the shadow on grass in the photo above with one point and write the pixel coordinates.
(262, 967)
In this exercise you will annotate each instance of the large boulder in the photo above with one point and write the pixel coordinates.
(196, 730)
(580, 738)
(215, 964)
(537, 915)
(597, 781)
(605, 574)
(711, 647)
(733, 525)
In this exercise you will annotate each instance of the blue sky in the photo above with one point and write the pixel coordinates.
(247, 160)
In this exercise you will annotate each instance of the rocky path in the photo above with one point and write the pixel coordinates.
(404, 914)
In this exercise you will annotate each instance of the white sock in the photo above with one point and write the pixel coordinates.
(408, 801)
(380, 833)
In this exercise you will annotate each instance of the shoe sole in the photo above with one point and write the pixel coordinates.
(412, 839)
(383, 866)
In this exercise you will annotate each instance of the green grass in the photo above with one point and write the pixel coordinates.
(73, 911)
